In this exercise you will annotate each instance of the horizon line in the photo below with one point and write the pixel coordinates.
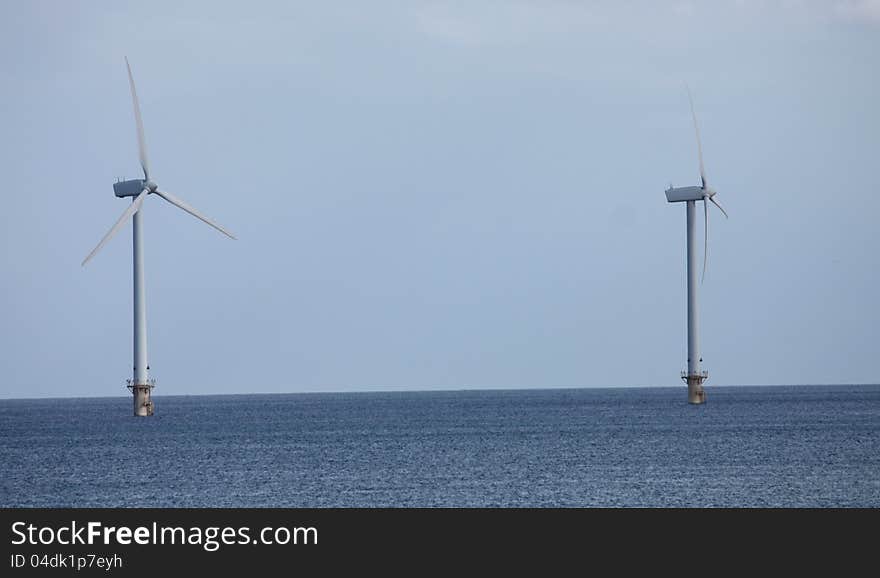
(439, 390)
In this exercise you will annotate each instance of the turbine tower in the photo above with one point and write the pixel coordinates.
(141, 385)
(695, 375)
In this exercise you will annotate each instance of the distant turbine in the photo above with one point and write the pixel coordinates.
(141, 385)
(694, 377)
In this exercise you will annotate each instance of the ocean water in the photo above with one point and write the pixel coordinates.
(807, 446)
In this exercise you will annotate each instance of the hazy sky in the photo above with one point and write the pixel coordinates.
(439, 194)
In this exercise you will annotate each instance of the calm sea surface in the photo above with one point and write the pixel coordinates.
(748, 446)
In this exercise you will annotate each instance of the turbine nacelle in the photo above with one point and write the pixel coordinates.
(130, 188)
(680, 194)
(133, 187)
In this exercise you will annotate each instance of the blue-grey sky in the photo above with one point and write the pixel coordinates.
(439, 195)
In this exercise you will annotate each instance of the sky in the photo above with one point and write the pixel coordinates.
(439, 195)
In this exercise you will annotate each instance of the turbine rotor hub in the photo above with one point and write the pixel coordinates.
(150, 185)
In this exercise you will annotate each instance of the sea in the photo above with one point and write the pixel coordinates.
(747, 447)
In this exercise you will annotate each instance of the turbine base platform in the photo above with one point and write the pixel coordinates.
(696, 393)
(143, 397)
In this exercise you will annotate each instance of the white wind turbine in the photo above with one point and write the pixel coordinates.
(141, 385)
(695, 376)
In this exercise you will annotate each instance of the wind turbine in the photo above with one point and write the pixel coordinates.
(695, 376)
(141, 384)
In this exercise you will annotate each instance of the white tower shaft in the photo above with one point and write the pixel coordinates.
(141, 385)
(695, 376)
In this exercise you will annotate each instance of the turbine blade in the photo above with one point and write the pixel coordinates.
(699, 141)
(142, 142)
(712, 198)
(180, 204)
(131, 210)
(705, 237)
